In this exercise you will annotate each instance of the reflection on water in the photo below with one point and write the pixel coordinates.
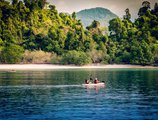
(59, 95)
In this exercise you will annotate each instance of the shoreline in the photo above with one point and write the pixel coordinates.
(52, 66)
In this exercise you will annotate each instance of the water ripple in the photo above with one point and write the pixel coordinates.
(39, 86)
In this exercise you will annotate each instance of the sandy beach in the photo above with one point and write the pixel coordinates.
(50, 66)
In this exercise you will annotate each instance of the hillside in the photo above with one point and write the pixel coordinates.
(33, 33)
(100, 14)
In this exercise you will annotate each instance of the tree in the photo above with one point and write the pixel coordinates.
(15, 2)
(156, 8)
(28, 3)
(142, 10)
(155, 53)
(8, 38)
(76, 57)
(1, 44)
(74, 15)
(42, 3)
(11, 54)
(116, 27)
(146, 4)
(128, 15)
(141, 53)
(95, 24)
(71, 42)
(97, 56)
(35, 4)
(52, 7)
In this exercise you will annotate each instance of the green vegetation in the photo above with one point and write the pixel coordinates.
(135, 43)
(11, 54)
(36, 57)
(75, 57)
(34, 32)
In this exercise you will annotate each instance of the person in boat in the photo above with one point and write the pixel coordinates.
(91, 78)
(87, 81)
(96, 81)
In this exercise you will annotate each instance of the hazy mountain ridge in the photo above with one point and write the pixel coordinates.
(102, 15)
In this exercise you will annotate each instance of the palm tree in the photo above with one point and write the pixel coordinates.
(142, 10)
(146, 4)
(128, 15)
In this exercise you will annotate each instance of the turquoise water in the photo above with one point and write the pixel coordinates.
(59, 95)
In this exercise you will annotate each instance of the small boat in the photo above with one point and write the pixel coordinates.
(101, 84)
(12, 71)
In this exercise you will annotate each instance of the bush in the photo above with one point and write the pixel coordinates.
(76, 57)
(37, 57)
(97, 56)
(55, 59)
(11, 54)
(106, 59)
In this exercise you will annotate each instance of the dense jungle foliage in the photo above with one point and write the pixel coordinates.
(33, 29)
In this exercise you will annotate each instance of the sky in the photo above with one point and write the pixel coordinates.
(116, 6)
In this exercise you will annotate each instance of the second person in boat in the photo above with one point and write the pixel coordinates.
(96, 81)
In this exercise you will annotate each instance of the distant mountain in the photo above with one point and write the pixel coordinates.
(100, 14)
